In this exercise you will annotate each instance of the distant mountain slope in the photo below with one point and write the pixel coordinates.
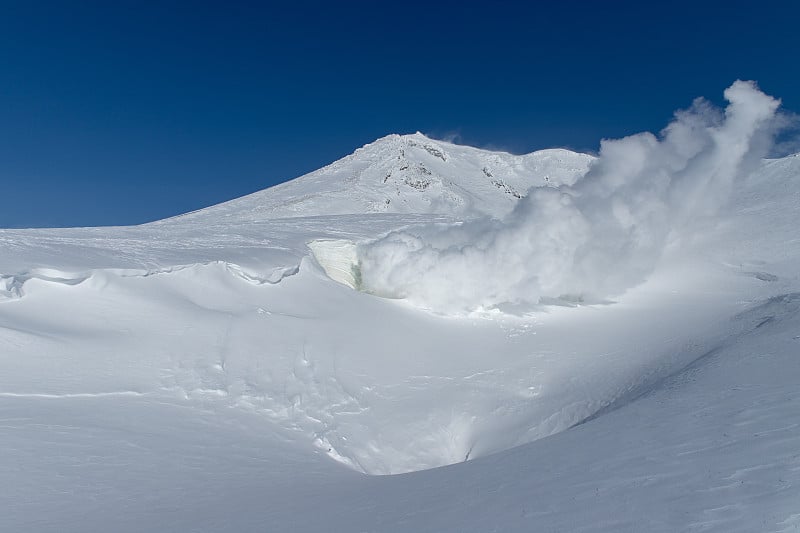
(410, 174)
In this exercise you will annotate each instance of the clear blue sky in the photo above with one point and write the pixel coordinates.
(126, 112)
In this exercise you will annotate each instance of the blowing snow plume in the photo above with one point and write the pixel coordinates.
(592, 240)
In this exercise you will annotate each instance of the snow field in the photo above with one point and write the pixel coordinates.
(374, 383)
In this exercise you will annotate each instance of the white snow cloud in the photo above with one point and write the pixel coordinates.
(590, 241)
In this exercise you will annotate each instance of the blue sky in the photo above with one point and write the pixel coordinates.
(128, 112)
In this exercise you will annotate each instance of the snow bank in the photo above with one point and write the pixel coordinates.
(592, 240)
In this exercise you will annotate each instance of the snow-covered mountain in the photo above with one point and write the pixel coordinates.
(410, 174)
(206, 373)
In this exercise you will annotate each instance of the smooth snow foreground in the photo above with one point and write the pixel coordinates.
(218, 371)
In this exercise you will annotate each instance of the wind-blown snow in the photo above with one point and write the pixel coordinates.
(592, 240)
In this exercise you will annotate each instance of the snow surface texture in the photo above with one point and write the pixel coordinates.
(217, 371)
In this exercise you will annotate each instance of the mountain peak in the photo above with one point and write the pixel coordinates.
(411, 173)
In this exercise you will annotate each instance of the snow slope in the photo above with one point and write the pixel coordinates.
(409, 174)
(205, 373)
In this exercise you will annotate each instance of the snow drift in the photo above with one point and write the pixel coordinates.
(592, 240)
